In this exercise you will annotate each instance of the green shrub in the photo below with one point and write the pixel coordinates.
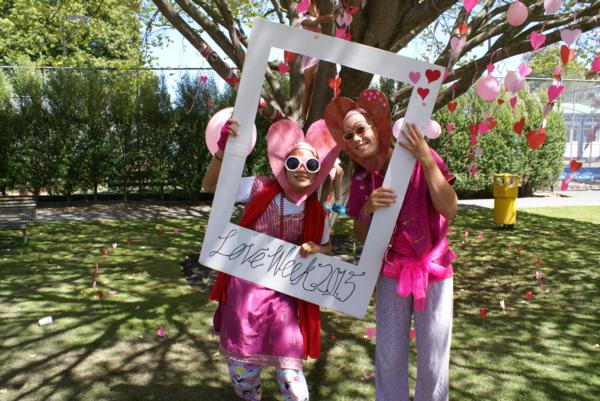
(503, 150)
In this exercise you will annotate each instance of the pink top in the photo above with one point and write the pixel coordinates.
(259, 325)
(418, 251)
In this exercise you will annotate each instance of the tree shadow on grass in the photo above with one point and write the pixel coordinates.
(543, 349)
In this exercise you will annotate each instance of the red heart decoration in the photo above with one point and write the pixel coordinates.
(536, 139)
(432, 75)
(575, 165)
(452, 106)
(483, 312)
(500, 102)
(289, 57)
(491, 122)
(566, 54)
(423, 92)
(518, 126)
(334, 83)
(462, 29)
(474, 128)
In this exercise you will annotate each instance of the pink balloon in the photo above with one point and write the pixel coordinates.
(517, 13)
(488, 88)
(433, 129)
(213, 130)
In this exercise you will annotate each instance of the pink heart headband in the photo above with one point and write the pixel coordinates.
(282, 138)
(375, 105)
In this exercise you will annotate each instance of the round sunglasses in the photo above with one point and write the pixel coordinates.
(360, 130)
(311, 165)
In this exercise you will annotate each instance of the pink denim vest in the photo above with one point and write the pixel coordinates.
(418, 251)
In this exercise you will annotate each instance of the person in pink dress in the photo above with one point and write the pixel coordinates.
(259, 326)
(416, 273)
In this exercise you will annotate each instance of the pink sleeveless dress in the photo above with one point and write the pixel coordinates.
(260, 326)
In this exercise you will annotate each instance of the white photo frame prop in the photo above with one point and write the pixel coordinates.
(276, 264)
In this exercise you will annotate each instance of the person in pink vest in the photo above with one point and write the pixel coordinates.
(416, 273)
(258, 326)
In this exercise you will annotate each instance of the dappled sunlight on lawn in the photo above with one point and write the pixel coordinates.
(107, 348)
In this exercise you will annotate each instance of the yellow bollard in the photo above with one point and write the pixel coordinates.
(506, 189)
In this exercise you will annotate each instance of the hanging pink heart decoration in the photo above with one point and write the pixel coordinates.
(554, 91)
(570, 36)
(457, 44)
(537, 40)
(469, 4)
(303, 6)
(524, 70)
(596, 64)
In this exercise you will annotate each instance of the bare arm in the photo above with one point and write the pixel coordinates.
(211, 177)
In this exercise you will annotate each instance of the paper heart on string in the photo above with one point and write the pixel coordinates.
(564, 185)
(596, 64)
(535, 139)
(469, 4)
(570, 36)
(513, 102)
(462, 29)
(432, 75)
(302, 6)
(518, 126)
(370, 332)
(490, 68)
(514, 82)
(524, 70)
(289, 57)
(452, 106)
(554, 91)
(423, 92)
(566, 54)
(340, 33)
(457, 44)
(354, 9)
(529, 294)
(537, 40)
(575, 165)
(483, 312)
(283, 68)
(552, 5)
(491, 122)
(449, 127)
(203, 79)
(334, 83)
(414, 77)
(500, 102)
(161, 331)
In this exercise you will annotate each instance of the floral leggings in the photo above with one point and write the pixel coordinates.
(246, 382)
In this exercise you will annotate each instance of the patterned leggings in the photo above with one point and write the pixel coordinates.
(246, 382)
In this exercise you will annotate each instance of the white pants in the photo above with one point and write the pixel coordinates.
(433, 328)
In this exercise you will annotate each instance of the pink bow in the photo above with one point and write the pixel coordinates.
(413, 273)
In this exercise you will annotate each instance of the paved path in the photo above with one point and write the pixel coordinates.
(543, 199)
(118, 211)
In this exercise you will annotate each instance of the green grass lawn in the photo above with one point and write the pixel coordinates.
(543, 349)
